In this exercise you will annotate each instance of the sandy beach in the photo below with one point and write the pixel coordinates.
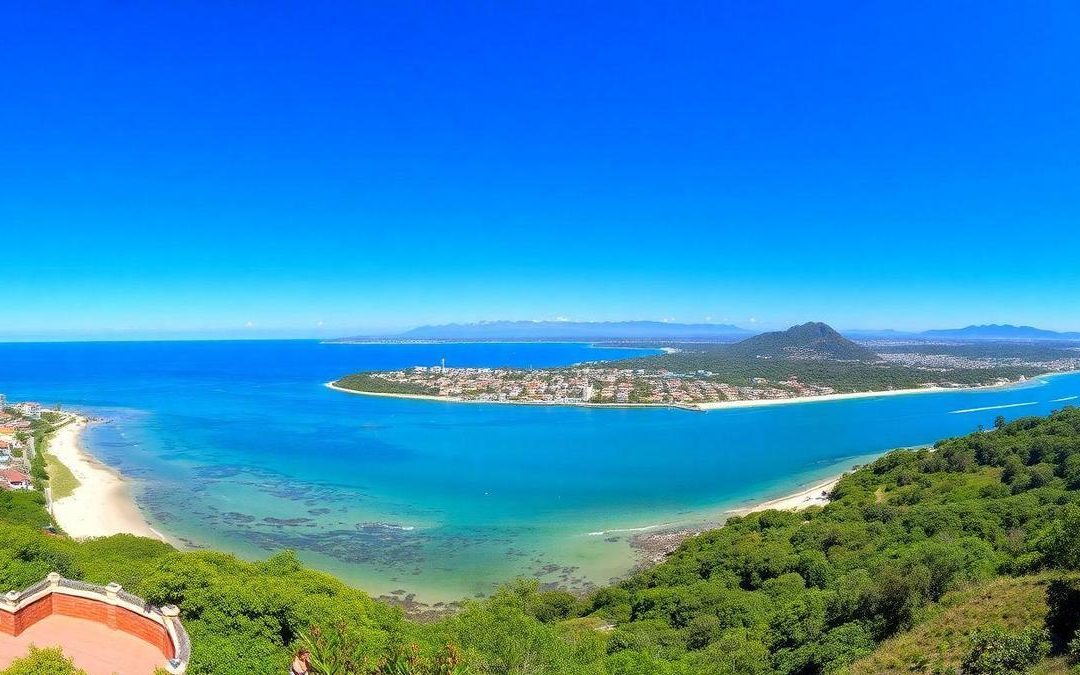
(816, 495)
(721, 405)
(102, 504)
(655, 546)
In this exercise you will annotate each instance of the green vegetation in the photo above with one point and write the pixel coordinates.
(811, 592)
(43, 662)
(1026, 351)
(378, 385)
(943, 638)
(816, 354)
(971, 546)
(811, 339)
(998, 652)
(45, 469)
(62, 481)
(25, 507)
(844, 376)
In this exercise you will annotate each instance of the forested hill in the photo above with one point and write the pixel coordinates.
(809, 340)
(810, 592)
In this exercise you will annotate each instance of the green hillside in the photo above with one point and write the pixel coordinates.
(941, 641)
(809, 340)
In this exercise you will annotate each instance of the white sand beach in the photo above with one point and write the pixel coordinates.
(102, 504)
(720, 405)
(817, 495)
(653, 547)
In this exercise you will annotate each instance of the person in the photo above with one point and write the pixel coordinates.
(301, 662)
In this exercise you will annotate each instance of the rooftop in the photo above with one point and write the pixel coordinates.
(103, 629)
(96, 648)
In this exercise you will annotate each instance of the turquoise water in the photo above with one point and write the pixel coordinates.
(238, 446)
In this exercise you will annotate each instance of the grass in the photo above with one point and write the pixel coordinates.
(938, 643)
(61, 480)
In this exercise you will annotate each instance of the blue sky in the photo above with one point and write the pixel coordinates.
(243, 170)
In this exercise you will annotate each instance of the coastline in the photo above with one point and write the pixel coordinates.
(712, 405)
(102, 504)
(456, 399)
(655, 546)
(721, 405)
(815, 495)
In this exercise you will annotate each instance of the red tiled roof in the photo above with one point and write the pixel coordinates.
(13, 476)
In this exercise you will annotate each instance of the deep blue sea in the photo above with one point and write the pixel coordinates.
(238, 446)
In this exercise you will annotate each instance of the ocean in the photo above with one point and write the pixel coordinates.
(238, 446)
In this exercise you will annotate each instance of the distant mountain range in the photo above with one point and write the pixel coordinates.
(999, 332)
(809, 340)
(705, 332)
(984, 332)
(575, 330)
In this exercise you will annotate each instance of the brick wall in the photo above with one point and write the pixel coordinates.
(7, 623)
(101, 612)
(31, 614)
(81, 608)
(144, 629)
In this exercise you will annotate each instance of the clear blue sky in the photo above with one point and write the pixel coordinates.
(252, 169)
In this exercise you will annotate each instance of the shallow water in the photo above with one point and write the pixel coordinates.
(238, 446)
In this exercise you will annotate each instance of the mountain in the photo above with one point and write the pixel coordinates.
(999, 332)
(814, 340)
(575, 330)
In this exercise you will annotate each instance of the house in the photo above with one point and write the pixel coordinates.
(10, 479)
(6, 445)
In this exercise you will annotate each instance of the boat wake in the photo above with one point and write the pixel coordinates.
(1067, 398)
(992, 407)
(385, 526)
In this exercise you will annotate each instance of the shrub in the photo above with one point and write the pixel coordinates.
(998, 652)
(49, 661)
(1063, 616)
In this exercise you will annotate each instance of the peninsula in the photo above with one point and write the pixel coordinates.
(804, 362)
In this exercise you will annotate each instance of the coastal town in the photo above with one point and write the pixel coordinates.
(808, 361)
(943, 363)
(580, 385)
(17, 444)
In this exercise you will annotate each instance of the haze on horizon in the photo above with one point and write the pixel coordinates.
(321, 171)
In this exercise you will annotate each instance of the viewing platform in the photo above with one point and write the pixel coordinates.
(104, 629)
